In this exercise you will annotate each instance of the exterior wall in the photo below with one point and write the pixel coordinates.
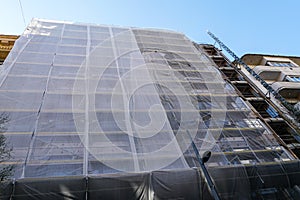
(6, 44)
(281, 78)
(51, 69)
(265, 106)
(200, 90)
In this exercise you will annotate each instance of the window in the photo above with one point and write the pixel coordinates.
(280, 64)
(292, 78)
(253, 123)
(272, 112)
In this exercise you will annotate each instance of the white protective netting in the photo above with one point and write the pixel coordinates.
(87, 99)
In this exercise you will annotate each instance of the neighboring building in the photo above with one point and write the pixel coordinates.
(281, 73)
(105, 112)
(6, 44)
(284, 124)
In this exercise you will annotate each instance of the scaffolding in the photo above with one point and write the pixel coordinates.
(92, 105)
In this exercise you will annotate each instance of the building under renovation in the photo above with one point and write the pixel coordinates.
(106, 112)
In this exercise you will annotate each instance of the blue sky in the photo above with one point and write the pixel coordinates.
(256, 26)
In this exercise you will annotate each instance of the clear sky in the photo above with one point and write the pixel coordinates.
(254, 26)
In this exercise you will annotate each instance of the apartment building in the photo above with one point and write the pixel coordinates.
(95, 111)
(6, 44)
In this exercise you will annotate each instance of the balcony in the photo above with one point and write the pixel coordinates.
(268, 73)
(288, 90)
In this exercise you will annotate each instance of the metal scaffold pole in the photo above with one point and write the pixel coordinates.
(201, 161)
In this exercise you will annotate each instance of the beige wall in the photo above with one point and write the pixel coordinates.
(6, 44)
(276, 76)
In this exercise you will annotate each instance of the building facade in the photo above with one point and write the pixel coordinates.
(110, 112)
(6, 44)
(281, 73)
